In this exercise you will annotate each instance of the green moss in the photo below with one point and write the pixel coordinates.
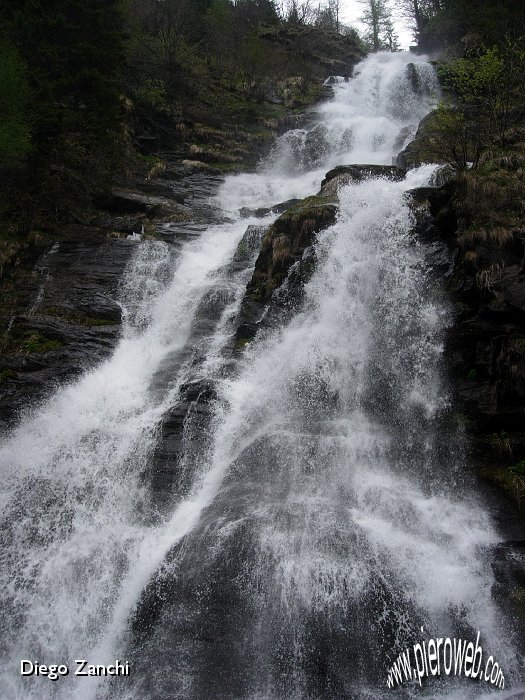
(518, 468)
(511, 482)
(518, 345)
(472, 375)
(35, 342)
(228, 167)
(241, 343)
(315, 204)
(7, 374)
(75, 317)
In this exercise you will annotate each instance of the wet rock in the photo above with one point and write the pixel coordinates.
(515, 295)
(286, 241)
(406, 133)
(182, 433)
(508, 564)
(69, 321)
(146, 206)
(345, 174)
(250, 242)
(285, 262)
(246, 212)
(485, 341)
(59, 308)
(315, 146)
(438, 252)
(414, 153)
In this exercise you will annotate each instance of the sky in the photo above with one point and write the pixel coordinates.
(352, 10)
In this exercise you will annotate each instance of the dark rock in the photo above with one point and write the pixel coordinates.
(68, 323)
(515, 296)
(403, 136)
(182, 433)
(286, 256)
(249, 244)
(121, 202)
(316, 146)
(413, 154)
(508, 565)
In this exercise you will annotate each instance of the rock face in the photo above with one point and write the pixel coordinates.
(285, 256)
(264, 211)
(59, 313)
(132, 212)
(485, 349)
(63, 318)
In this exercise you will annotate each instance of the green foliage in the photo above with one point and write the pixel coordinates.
(15, 133)
(483, 104)
(519, 468)
(487, 87)
(459, 24)
(449, 137)
(61, 113)
(472, 78)
(380, 34)
(74, 53)
(153, 93)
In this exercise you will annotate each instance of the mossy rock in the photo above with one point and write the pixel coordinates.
(31, 342)
(346, 174)
(286, 240)
(71, 316)
(6, 374)
(241, 343)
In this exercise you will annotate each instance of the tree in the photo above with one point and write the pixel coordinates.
(488, 88)
(378, 20)
(418, 13)
(440, 23)
(74, 54)
(327, 16)
(298, 12)
(15, 134)
(254, 14)
(390, 36)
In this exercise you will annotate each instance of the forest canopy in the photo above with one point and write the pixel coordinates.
(87, 88)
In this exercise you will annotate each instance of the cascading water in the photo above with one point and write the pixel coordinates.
(320, 518)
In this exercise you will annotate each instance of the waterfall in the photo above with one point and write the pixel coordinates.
(318, 515)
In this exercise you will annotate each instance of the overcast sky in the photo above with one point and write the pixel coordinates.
(352, 10)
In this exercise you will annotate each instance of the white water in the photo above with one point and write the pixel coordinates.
(322, 431)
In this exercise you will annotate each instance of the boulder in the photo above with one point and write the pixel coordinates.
(315, 146)
(121, 202)
(345, 174)
(286, 241)
(280, 208)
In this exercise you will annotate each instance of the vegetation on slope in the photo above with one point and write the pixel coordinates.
(90, 91)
